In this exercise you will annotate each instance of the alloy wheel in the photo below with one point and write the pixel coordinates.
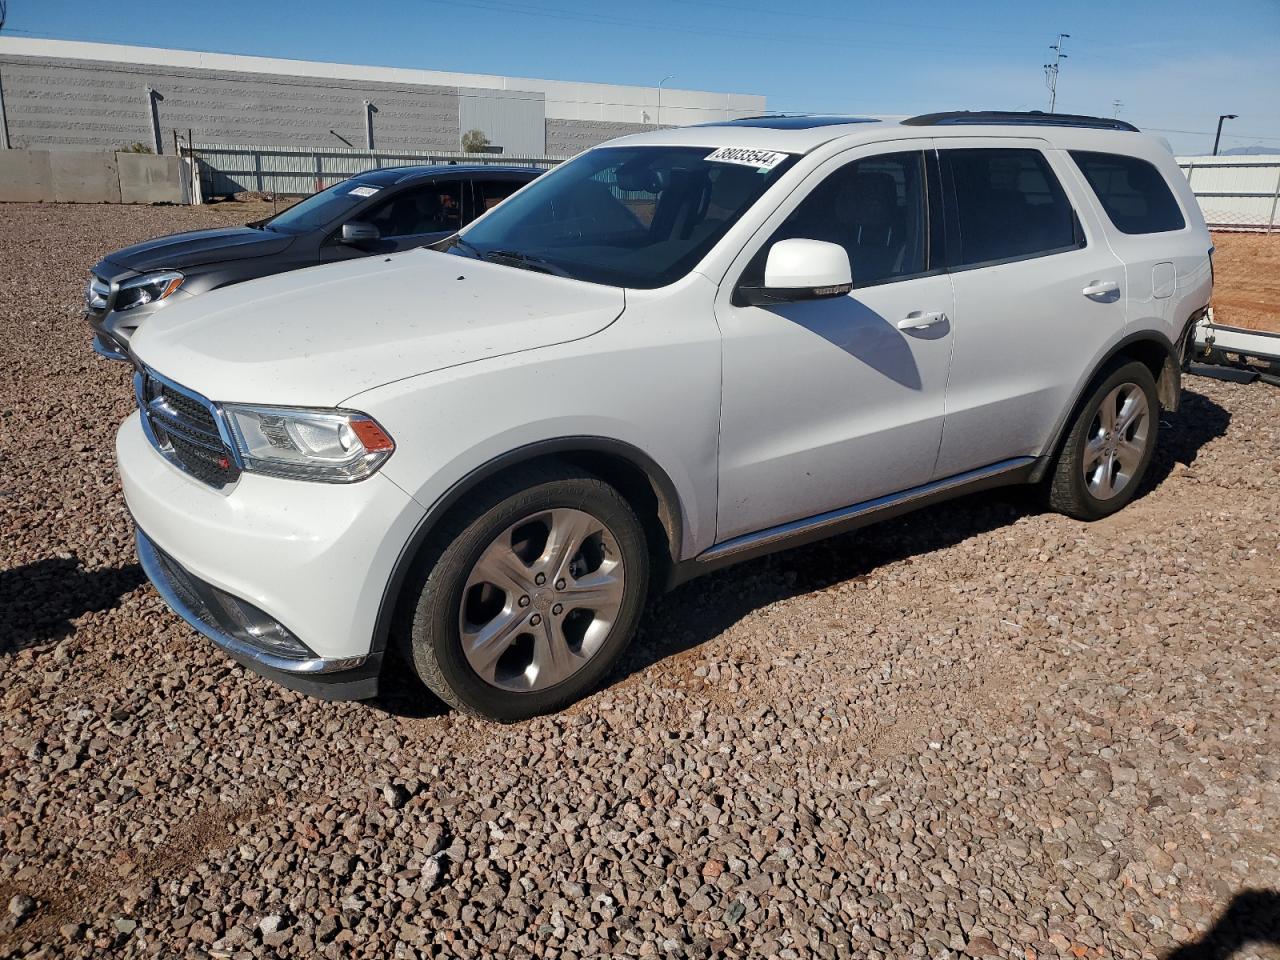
(541, 599)
(1117, 441)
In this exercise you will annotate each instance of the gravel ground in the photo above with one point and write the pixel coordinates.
(982, 730)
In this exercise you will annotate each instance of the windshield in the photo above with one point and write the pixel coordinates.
(626, 216)
(322, 208)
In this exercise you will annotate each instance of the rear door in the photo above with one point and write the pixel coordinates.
(1038, 295)
(829, 403)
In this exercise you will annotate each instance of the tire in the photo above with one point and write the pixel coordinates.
(489, 639)
(1118, 450)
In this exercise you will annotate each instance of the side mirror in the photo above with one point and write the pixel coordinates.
(801, 270)
(357, 232)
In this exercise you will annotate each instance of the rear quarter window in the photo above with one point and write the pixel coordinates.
(1132, 191)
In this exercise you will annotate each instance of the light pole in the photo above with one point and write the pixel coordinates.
(660, 83)
(1218, 136)
(1051, 69)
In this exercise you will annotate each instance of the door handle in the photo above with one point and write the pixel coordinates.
(915, 320)
(1101, 289)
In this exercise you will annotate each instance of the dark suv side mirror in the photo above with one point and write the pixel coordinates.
(357, 233)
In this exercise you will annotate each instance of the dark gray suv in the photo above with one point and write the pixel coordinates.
(382, 211)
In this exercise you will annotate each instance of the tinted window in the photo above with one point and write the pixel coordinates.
(875, 209)
(434, 207)
(323, 207)
(1007, 205)
(490, 193)
(629, 216)
(1132, 191)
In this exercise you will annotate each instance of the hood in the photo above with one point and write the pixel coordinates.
(318, 336)
(194, 249)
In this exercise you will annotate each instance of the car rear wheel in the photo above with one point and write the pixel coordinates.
(1109, 446)
(537, 587)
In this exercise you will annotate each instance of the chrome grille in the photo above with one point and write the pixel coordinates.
(97, 294)
(184, 427)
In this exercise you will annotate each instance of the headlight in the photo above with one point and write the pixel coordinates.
(335, 446)
(148, 288)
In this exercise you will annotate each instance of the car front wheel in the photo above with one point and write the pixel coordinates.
(537, 586)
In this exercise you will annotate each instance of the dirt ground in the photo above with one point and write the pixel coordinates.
(1247, 280)
(982, 730)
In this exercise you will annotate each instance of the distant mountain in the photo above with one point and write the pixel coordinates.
(1247, 151)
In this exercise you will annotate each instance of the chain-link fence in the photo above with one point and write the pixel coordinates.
(1236, 193)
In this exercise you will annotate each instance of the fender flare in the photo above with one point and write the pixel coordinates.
(668, 500)
(1172, 370)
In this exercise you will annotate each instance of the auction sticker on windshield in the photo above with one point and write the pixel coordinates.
(362, 191)
(743, 156)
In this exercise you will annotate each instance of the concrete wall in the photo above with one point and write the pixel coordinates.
(93, 96)
(568, 137)
(149, 179)
(89, 176)
(93, 105)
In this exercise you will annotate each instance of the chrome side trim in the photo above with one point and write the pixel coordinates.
(834, 518)
(154, 570)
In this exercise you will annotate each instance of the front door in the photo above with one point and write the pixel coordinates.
(829, 403)
(414, 217)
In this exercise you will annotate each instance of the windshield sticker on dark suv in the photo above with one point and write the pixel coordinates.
(760, 159)
(363, 191)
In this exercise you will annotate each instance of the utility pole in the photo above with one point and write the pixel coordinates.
(660, 83)
(1218, 136)
(1051, 69)
(1117, 104)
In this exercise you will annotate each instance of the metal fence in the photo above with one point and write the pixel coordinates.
(229, 168)
(1236, 193)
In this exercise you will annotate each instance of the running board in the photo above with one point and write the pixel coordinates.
(798, 532)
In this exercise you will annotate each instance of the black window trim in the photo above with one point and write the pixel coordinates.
(1173, 194)
(952, 215)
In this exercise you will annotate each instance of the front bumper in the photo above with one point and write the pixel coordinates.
(105, 342)
(313, 557)
(196, 602)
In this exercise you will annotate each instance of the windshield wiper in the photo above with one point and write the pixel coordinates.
(454, 240)
(528, 262)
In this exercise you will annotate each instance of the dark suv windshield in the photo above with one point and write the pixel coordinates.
(627, 216)
(321, 208)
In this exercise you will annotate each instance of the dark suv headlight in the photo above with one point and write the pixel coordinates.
(148, 288)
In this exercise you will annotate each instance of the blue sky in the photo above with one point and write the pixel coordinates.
(1175, 64)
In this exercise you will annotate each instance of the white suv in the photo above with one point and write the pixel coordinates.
(678, 350)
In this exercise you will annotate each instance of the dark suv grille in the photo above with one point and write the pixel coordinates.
(183, 428)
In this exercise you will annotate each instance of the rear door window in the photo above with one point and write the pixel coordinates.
(490, 193)
(1132, 192)
(1005, 204)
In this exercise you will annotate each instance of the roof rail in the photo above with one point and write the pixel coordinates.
(1010, 117)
